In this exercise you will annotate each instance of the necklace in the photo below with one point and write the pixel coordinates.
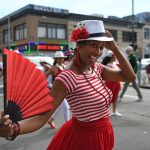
(107, 103)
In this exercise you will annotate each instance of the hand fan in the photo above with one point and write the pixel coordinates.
(26, 91)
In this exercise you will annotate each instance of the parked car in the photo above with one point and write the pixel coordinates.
(145, 62)
(38, 59)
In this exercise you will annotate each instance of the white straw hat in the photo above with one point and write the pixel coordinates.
(59, 54)
(90, 30)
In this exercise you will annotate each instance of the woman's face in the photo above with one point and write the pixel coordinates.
(60, 60)
(91, 51)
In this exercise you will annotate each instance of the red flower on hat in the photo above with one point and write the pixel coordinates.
(79, 33)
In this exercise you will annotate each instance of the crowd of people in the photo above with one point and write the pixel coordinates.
(88, 87)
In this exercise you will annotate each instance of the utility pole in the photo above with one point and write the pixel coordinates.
(135, 45)
(133, 24)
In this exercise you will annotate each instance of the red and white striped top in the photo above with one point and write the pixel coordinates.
(86, 103)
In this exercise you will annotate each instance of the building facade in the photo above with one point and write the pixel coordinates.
(40, 30)
(144, 18)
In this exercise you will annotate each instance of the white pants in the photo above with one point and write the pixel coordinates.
(63, 109)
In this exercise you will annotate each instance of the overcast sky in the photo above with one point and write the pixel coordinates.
(106, 8)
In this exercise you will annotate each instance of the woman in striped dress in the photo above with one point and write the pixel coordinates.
(83, 87)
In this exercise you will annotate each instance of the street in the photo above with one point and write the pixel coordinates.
(132, 130)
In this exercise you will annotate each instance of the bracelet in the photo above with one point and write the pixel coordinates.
(16, 131)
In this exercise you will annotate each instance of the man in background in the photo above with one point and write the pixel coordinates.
(1, 67)
(133, 61)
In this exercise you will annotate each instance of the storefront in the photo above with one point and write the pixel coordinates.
(42, 48)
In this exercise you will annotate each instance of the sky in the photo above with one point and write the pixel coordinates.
(118, 8)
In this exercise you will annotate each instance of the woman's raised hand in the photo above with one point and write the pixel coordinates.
(111, 45)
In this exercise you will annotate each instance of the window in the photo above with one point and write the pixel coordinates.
(146, 33)
(114, 34)
(42, 32)
(129, 36)
(51, 31)
(61, 33)
(5, 37)
(20, 32)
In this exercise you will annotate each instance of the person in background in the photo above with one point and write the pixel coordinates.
(139, 71)
(115, 86)
(133, 61)
(69, 57)
(83, 86)
(46, 66)
(1, 67)
(148, 72)
(55, 70)
(16, 49)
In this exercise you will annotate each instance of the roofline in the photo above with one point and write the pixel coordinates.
(61, 13)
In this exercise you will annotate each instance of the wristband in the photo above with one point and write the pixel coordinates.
(16, 131)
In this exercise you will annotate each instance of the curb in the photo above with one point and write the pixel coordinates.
(145, 86)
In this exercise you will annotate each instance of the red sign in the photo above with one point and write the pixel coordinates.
(49, 47)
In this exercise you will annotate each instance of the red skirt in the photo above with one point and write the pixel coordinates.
(77, 135)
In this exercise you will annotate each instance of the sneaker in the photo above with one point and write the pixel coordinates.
(51, 124)
(140, 100)
(116, 114)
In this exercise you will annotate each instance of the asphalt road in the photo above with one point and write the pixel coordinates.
(132, 130)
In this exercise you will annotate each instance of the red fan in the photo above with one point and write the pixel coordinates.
(26, 91)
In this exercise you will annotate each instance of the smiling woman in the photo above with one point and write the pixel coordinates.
(93, 49)
(82, 84)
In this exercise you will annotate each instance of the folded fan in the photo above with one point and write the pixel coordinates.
(26, 91)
